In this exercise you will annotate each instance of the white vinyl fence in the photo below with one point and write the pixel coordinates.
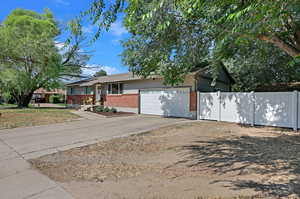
(262, 108)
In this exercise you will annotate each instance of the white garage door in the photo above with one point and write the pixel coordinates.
(174, 102)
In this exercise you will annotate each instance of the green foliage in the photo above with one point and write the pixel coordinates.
(98, 108)
(169, 37)
(29, 56)
(100, 73)
(56, 99)
(106, 109)
(101, 109)
(113, 110)
(253, 66)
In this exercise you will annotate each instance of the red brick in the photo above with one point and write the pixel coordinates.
(193, 101)
(124, 100)
(79, 99)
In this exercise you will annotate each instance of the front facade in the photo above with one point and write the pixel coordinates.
(130, 93)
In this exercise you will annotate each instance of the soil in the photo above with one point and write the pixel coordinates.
(194, 160)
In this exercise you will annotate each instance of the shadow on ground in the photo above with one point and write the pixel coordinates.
(273, 162)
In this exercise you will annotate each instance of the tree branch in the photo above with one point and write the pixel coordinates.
(280, 44)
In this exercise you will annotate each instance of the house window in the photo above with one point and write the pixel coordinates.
(115, 88)
(71, 91)
(89, 91)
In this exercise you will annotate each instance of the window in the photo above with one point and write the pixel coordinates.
(115, 88)
(89, 91)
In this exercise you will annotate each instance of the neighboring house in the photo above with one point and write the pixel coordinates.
(131, 93)
(42, 95)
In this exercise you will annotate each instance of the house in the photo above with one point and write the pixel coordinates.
(42, 95)
(131, 93)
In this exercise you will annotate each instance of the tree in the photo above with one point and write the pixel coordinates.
(100, 73)
(252, 66)
(30, 57)
(169, 37)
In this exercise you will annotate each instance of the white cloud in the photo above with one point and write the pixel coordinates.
(89, 29)
(91, 69)
(62, 2)
(110, 70)
(117, 29)
(59, 45)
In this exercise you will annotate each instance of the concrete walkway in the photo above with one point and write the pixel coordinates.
(19, 181)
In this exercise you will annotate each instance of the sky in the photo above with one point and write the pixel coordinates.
(105, 52)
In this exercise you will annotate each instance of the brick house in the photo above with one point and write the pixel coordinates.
(131, 93)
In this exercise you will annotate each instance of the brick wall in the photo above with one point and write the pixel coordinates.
(80, 99)
(125, 100)
(193, 101)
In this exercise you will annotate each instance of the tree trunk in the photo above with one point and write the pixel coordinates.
(24, 100)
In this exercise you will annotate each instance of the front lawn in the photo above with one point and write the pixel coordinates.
(12, 117)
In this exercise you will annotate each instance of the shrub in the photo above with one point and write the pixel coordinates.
(113, 110)
(98, 108)
(106, 109)
(55, 99)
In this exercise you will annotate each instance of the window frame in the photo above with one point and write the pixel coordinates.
(120, 86)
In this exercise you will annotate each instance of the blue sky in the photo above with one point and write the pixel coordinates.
(106, 50)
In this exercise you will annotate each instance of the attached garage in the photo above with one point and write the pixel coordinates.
(169, 102)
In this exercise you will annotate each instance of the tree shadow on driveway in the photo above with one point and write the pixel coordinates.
(272, 162)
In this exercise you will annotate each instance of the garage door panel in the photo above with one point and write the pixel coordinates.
(167, 102)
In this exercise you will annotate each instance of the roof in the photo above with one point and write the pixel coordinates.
(113, 78)
(78, 83)
(130, 76)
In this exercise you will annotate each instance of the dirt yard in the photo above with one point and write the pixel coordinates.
(194, 160)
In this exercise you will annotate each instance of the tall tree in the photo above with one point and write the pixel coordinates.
(170, 36)
(30, 57)
(100, 73)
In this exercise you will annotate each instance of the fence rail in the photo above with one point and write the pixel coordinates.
(279, 109)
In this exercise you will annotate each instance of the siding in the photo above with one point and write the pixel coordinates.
(133, 87)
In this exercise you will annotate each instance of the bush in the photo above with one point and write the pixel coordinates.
(98, 108)
(55, 99)
(106, 109)
(113, 110)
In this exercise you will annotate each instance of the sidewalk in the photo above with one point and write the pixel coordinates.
(19, 181)
(88, 115)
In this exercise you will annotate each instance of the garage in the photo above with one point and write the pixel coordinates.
(169, 102)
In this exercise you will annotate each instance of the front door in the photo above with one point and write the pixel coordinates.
(100, 94)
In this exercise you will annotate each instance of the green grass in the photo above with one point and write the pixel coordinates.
(12, 117)
(2, 106)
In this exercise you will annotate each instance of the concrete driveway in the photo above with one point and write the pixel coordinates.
(18, 180)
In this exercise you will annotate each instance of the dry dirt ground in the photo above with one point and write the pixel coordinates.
(192, 160)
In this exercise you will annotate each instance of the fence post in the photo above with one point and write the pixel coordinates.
(295, 116)
(219, 98)
(252, 96)
(198, 106)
